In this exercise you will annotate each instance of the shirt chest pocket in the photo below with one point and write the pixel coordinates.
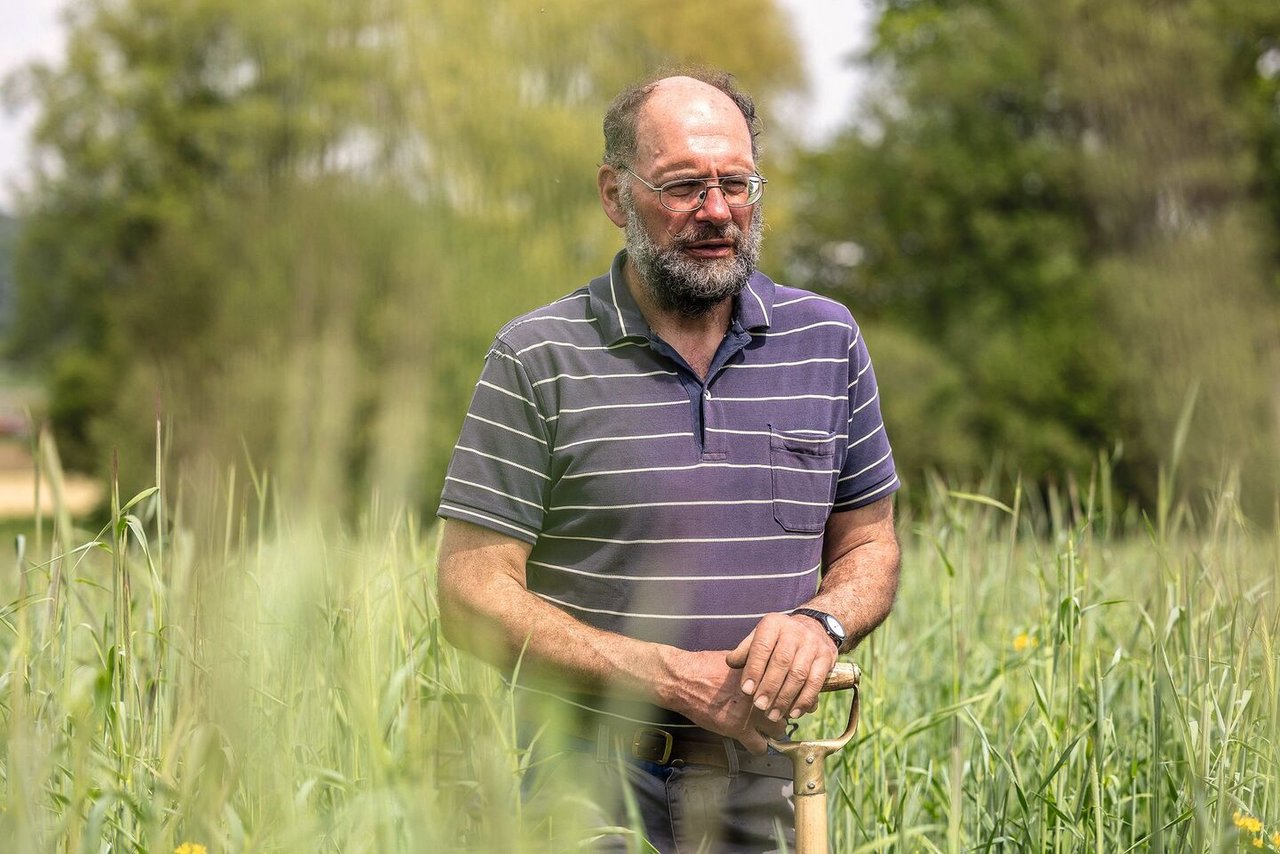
(804, 479)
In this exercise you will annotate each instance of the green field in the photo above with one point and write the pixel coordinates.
(253, 677)
(259, 252)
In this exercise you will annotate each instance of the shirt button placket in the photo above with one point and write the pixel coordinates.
(712, 442)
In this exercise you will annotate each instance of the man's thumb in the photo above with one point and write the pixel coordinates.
(737, 657)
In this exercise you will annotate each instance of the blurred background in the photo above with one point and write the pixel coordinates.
(288, 229)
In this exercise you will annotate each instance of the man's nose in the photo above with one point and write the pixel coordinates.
(714, 208)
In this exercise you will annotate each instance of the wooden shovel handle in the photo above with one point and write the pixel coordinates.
(843, 675)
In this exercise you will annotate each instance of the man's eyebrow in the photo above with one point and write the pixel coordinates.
(691, 175)
(691, 168)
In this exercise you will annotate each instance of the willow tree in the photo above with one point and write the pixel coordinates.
(293, 225)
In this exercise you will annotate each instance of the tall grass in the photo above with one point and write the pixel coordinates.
(211, 666)
(1046, 686)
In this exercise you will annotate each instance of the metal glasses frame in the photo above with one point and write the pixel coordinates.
(753, 196)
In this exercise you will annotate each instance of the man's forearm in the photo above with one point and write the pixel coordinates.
(860, 581)
(859, 589)
(544, 640)
(486, 608)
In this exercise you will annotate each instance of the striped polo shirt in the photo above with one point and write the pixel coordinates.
(658, 504)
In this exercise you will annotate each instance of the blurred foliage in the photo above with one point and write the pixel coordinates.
(1069, 211)
(292, 227)
(8, 233)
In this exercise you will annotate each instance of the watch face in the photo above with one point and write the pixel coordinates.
(833, 626)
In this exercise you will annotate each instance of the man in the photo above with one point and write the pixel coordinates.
(656, 472)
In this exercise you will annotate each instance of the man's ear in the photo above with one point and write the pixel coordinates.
(610, 199)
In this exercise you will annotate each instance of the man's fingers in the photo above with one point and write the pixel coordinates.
(759, 727)
(737, 656)
(808, 699)
(753, 741)
(777, 666)
(787, 661)
(788, 696)
(759, 648)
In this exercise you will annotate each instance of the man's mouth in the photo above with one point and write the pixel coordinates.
(717, 248)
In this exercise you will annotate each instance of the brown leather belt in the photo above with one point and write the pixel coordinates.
(670, 747)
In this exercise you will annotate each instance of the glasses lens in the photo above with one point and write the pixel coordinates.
(684, 195)
(737, 190)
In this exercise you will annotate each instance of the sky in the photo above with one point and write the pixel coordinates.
(29, 30)
(829, 30)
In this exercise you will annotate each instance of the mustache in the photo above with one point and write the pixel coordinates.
(698, 232)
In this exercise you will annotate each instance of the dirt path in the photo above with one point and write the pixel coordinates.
(17, 487)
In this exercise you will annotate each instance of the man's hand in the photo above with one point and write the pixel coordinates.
(784, 661)
(710, 695)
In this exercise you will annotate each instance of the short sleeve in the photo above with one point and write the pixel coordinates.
(868, 473)
(497, 477)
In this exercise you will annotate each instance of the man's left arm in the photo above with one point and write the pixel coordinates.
(786, 658)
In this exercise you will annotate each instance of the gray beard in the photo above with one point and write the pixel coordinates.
(680, 284)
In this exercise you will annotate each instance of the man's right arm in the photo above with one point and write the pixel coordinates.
(487, 609)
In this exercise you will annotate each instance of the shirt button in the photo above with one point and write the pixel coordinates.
(707, 394)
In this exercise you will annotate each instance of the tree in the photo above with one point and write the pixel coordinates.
(1026, 191)
(299, 240)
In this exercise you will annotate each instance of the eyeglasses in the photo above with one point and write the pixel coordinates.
(688, 194)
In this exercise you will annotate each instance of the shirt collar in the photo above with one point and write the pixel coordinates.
(619, 317)
(755, 304)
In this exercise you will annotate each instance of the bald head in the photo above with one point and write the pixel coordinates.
(670, 95)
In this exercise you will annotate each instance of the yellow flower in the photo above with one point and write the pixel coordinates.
(1023, 642)
(191, 848)
(1246, 822)
(1275, 839)
(1257, 842)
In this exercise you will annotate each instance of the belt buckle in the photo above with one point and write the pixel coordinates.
(652, 745)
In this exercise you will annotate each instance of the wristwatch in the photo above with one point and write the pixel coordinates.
(829, 624)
